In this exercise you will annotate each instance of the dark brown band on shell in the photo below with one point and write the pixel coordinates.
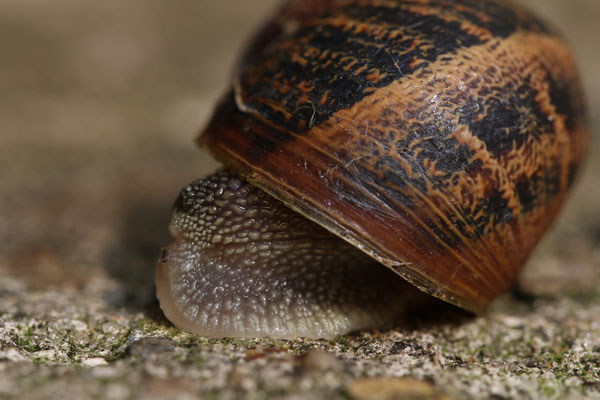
(441, 140)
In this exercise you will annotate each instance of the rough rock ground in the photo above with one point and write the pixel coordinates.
(100, 102)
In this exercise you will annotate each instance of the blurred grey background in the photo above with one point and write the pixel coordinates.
(99, 106)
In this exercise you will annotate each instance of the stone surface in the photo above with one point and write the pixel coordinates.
(99, 105)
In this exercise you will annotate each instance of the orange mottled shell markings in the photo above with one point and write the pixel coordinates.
(438, 136)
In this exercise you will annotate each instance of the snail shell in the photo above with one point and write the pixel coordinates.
(439, 137)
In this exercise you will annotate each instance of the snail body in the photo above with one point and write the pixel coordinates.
(438, 138)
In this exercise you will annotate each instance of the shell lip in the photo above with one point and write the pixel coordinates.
(398, 266)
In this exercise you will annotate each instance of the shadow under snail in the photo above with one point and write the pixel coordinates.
(437, 138)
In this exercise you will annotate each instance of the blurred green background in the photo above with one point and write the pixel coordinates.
(99, 105)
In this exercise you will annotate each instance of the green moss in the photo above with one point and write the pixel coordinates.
(25, 339)
(147, 326)
(547, 391)
(343, 341)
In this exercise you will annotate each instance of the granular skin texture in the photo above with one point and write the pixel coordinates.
(243, 264)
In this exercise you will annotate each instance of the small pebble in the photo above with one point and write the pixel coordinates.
(94, 362)
(392, 389)
(12, 354)
(318, 360)
(146, 347)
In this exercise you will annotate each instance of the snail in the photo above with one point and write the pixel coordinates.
(366, 141)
